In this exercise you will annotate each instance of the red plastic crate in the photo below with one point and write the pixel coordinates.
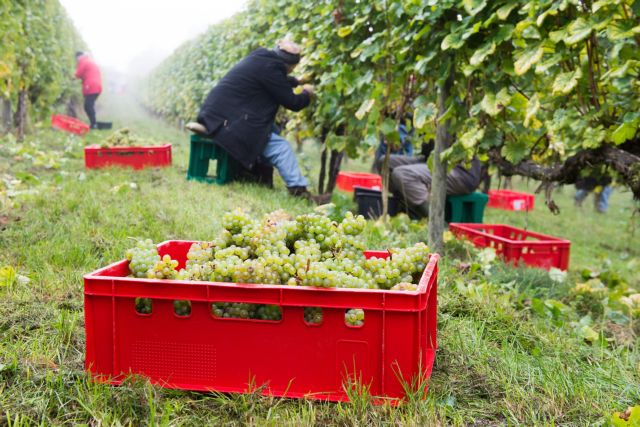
(289, 357)
(135, 157)
(69, 124)
(517, 245)
(510, 200)
(347, 180)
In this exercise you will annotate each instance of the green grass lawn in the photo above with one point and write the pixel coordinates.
(508, 354)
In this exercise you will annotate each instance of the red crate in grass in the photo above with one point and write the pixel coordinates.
(510, 200)
(347, 180)
(135, 157)
(517, 245)
(290, 358)
(69, 124)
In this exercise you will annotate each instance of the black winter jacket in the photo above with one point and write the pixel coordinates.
(239, 111)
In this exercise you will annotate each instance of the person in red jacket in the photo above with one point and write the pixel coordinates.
(89, 73)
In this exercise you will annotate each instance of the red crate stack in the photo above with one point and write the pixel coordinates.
(136, 157)
(347, 180)
(510, 200)
(291, 358)
(517, 245)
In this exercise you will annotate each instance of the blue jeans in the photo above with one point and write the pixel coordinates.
(602, 198)
(279, 154)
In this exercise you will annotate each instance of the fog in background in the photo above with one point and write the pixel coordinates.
(131, 37)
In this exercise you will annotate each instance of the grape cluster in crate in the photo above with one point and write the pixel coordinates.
(308, 250)
(125, 138)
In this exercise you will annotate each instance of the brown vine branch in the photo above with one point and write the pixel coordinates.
(626, 163)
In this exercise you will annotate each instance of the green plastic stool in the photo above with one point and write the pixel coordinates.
(466, 208)
(202, 151)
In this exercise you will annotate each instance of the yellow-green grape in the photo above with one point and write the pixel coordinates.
(313, 315)
(164, 269)
(235, 221)
(269, 312)
(142, 257)
(354, 317)
(199, 253)
(404, 286)
(352, 225)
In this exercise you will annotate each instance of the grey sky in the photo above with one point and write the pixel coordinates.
(132, 36)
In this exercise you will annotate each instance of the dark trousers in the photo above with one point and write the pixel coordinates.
(90, 107)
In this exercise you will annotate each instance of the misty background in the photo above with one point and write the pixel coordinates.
(128, 38)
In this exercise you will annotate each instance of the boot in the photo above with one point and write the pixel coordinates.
(320, 199)
(196, 128)
(420, 211)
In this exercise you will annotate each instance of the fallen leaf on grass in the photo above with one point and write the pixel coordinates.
(42, 361)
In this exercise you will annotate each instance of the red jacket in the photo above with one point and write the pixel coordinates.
(89, 73)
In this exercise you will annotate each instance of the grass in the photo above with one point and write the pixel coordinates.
(498, 362)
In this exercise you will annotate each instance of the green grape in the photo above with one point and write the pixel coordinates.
(235, 221)
(352, 225)
(310, 250)
(404, 286)
(354, 317)
(200, 253)
(313, 315)
(142, 258)
(164, 269)
(269, 312)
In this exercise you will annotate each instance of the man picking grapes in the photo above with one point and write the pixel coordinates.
(240, 110)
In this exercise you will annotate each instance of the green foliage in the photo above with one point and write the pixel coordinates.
(37, 53)
(543, 79)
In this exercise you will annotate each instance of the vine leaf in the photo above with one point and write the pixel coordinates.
(578, 30)
(527, 58)
(532, 108)
(482, 53)
(474, 6)
(593, 137)
(515, 150)
(470, 138)
(344, 31)
(626, 130)
(566, 82)
(452, 41)
(504, 11)
(365, 108)
(492, 104)
(422, 114)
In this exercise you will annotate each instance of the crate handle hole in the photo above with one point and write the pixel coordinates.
(313, 316)
(354, 317)
(144, 306)
(246, 311)
(182, 308)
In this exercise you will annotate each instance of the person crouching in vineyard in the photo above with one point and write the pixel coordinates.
(410, 179)
(89, 73)
(240, 111)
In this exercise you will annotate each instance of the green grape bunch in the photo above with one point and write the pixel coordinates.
(142, 258)
(308, 250)
(354, 317)
(164, 269)
(313, 315)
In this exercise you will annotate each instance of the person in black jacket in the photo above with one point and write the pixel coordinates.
(240, 111)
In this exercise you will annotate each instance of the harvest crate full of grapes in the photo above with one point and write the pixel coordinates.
(293, 307)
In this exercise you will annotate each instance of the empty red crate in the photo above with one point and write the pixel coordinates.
(135, 157)
(69, 124)
(347, 180)
(290, 358)
(517, 245)
(510, 200)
